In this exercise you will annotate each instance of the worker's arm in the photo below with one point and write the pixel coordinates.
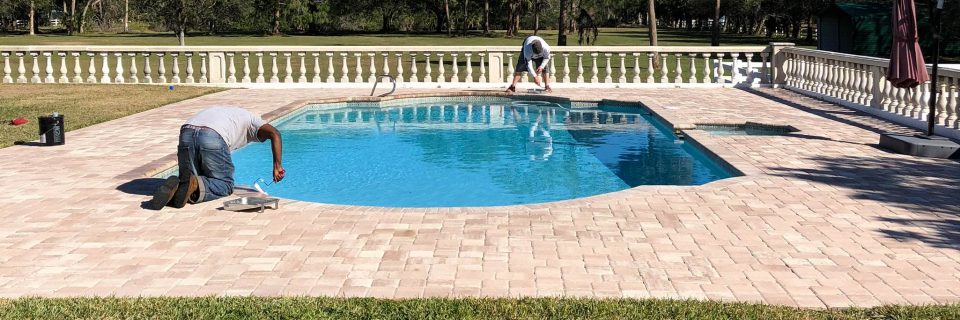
(266, 132)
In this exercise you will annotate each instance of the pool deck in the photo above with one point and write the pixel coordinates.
(823, 218)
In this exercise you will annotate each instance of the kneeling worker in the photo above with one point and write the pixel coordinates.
(203, 155)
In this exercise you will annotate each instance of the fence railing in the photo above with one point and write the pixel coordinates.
(860, 82)
(339, 66)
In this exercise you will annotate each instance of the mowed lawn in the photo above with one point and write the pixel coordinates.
(434, 308)
(608, 37)
(81, 105)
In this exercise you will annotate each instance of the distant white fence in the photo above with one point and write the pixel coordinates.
(358, 66)
(860, 82)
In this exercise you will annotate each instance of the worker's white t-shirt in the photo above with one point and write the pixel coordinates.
(236, 126)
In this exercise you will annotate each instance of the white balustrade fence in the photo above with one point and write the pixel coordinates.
(860, 82)
(345, 66)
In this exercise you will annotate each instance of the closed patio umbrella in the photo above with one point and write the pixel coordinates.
(907, 69)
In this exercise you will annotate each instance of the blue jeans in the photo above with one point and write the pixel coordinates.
(204, 154)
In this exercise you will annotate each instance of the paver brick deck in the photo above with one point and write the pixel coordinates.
(822, 218)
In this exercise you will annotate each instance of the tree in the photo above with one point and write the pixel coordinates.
(32, 17)
(652, 21)
(180, 16)
(716, 26)
(446, 8)
(561, 25)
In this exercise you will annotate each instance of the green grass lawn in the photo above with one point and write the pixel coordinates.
(608, 37)
(81, 105)
(466, 308)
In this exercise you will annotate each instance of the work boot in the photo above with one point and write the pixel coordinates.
(186, 189)
(164, 193)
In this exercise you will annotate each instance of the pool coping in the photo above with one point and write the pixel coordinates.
(739, 168)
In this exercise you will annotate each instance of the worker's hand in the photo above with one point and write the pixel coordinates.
(278, 172)
(539, 70)
(536, 79)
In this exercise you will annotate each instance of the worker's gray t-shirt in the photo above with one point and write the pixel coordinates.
(236, 126)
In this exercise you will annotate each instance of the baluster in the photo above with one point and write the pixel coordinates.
(105, 68)
(953, 104)
(509, 75)
(566, 68)
(623, 68)
(876, 97)
(373, 68)
(693, 68)
(64, 77)
(161, 69)
(679, 70)
(414, 77)
(794, 72)
(836, 84)
(287, 68)
(428, 78)
(650, 57)
(867, 74)
(330, 69)
(344, 77)
(821, 75)
(469, 75)
(636, 68)
(359, 77)
(91, 69)
(134, 73)
(850, 87)
(21, 71)
(386, 64)
(441, 77)
(246, 67)
(919, 102)
(854, 74)
(764, 68)
(175, 73)
(861, 86)
(483, 67)
(189, 78)
(806, 72)
(706, 68)
(399, 56)
(6, 68)
(35, 75)
(734, 67)
(553, 69)
(261, 77)
(609, 77)
(48, 70)
(455, 77)
(119, 78)
(942, 100)
(901, 101)
(232, 69)
(316, 67)
(579, 68)
(843, 80)
(827, 75)
(147, 78)
(663, 67)
(274, 71)
(303, 68)
(750, 75)
(718, 67)
(593, 70)
(203, 67)
(887, 92)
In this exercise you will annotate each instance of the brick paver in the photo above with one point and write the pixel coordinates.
(823, 218)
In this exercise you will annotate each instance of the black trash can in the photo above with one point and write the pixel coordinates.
(51, 130)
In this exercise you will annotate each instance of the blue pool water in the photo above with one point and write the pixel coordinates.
(446, 154)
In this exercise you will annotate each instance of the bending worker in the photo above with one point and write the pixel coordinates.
(534, 57)
(203, 155)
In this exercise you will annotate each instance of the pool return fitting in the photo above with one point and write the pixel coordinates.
(380, 77)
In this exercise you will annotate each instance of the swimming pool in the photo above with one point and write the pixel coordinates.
(471, 153)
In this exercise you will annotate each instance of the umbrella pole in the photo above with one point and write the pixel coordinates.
(935, 89)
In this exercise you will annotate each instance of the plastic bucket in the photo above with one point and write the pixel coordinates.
(51, 130)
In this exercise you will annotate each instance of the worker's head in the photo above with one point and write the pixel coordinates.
(537, 47)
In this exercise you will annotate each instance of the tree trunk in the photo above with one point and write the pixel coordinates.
(83, 14)
(276, 19)
(716, 25)
(181, 37)
(446, 8)
(486, 17)
(463, 26)
(536, 17)
(810, 28)
(561, 27)
(72, 22)
(126, 16)
(32, 13)
(653, 22)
